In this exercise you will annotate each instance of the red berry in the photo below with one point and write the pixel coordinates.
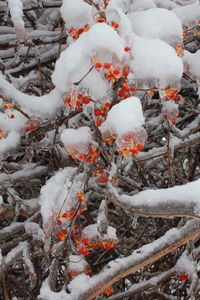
(103, 179)
(99, 122)
(127, 49)
(98, 66)
(183, 277)
(86, 100)
(106, 66)
(97, 112)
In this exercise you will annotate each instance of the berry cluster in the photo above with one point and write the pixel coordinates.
(125, 91)
(108, 291)
(32, 124)
(129, 144)
(179, 50)
(76, 101)
(75, 33)
(101, 112)
(112, 72)
(61, 222)
(7, 106)
(172, 94)
(101, 175)
(89, 157)
(85, 245)
(170, 115)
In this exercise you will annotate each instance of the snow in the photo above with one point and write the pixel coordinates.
(77, 263)
(95, 85)
(44, 106)
(8, 259)
(82, 283)
(185, 265)
(34, 230)
(16, 11)
(82, 135)
(76, 60)
(60, 193)
(91, 231)
(76, 13)
(157, 23)
(160, 65)
(168, 4)
(9, 143)
(131, 110)
(139, 5)
(188, 14)
(193, 61)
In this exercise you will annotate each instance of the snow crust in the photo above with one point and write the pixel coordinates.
(124, 117)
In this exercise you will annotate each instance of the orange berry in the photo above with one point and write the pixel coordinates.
(58, 222)
(108, 291)
(60, 236)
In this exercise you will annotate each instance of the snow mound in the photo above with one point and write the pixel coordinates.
(124, 117)
(155, 62)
